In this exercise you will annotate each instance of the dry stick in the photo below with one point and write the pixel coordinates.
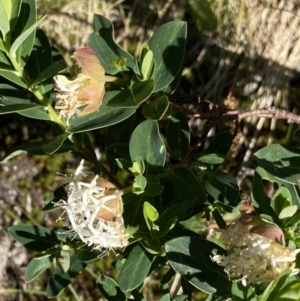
(268, 112)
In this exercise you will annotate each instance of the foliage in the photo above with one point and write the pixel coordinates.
(170, 181)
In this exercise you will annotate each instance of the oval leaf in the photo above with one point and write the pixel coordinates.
(190, 257)
(146, 143)
(37, 266)
(168, 45)
(137, 265)
(178, 135)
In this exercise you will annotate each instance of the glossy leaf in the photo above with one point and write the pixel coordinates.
(146, 143)
(5, 10)
(40, 59)
(150, 215)
(103, 117)
(153, 187)
(242, 293)
(137, 265)
(282, 199)
(36, 238)
(222, 187)
(37, 266)
(113, 58)
(23, 33)
(288, 211)
(59, 280)
(168, 45)
(51, 146)
(120, 132)
(56, 196)
(186, 185)
(190, 257)
(13, 76)
(178, 135)
(50, 71)
(85, 254)
(117, 151)
(281, 161)
(110, 289)
(220, 144)
(132, 96)
(157, 108)
(14, 100)
(34, 148)
(260, 201)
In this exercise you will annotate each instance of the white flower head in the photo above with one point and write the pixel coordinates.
(95, 208)
(253, 258)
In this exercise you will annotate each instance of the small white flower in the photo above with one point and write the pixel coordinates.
(95, 208)
(253, 258)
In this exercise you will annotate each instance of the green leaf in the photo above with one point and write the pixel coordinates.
(117, 152)
(260, 201)
(51, 146)
(20, 39)
(139, 184)
(272, 292)
(50, 71)
(39, 60)
(110, 289)
(282, 199)
(168, 45)
(54, 197)
(60, 280)
(36, 238)
(85, 254)
(150, 215)
(178, 135)
(288, 211)
(103, 117)
(34, 148)
(157, 108)
(133, 208)
(281, 161)
(13, 76)
(28, 33)
(211, 159)
(146, 143)
(5, 16)
(24, 29)
(167, 220)
(222, 187)
(138, 167)
(120, 132)
(190, 257)
(14, 100)
(186, 185)
(17, 108)
(135, 269)
(37, 266)
(242, 293)
(153, 187)
(132, 96)
(113, 58)
(203, 15)
(147, 65)
(219, 146)
(64, 260)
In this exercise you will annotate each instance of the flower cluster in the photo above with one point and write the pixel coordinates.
(85, 93)
(95, 208)
(251, 257)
